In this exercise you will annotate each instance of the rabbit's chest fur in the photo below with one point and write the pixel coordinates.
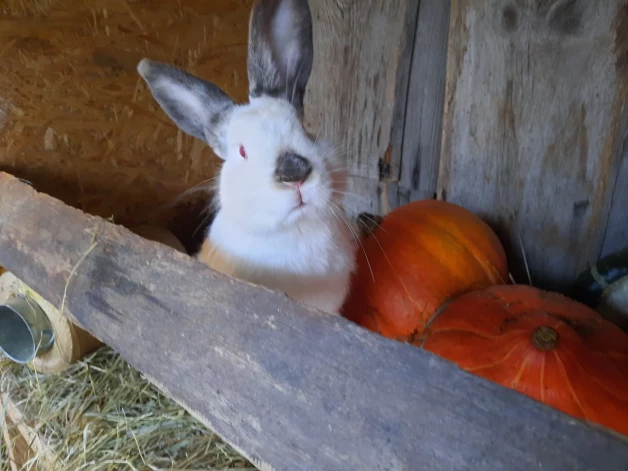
(312, 263)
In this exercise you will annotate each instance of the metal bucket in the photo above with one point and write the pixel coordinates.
(25, 330)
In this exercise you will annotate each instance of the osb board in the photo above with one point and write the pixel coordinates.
(76, 120)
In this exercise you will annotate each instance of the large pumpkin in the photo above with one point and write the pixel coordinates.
(420, 255)
(542, 344)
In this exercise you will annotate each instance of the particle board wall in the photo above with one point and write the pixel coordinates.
(74, 116)
(536, 114)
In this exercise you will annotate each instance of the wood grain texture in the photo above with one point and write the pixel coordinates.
(616, 237)
(423, 124)
(290, 387)
(25, 442)
(351, 95)
(534, 123)
(390, 173)
(77, 120)
(18, 451)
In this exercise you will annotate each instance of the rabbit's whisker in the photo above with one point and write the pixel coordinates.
(355, 235)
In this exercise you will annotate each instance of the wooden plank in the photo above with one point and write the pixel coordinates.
(389, 174)
(24, 442)
(423, 124)
(616, 237)
(358, 48)
(17, 448)
(534, 123)
(288, 386)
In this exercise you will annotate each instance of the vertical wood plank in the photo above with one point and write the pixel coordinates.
(351, 95)
(534, 123)
(423, 124)
(616, 237)
(390, 173)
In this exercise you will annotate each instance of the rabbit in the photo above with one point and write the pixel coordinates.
(280, 221)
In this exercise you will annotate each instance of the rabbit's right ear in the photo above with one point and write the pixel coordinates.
(198, 107)
(281, 50)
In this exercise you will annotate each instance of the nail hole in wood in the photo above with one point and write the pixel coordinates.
(510, 18)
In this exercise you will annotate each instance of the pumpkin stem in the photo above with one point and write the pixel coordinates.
(545, 338)
(368, 223)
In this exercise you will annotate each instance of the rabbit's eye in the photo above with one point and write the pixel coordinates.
(242, 152)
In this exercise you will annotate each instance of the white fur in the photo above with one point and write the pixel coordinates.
(307, 252)
(261, 232)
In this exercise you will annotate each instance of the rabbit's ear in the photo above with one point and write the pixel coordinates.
(280, 50)
(198, 107)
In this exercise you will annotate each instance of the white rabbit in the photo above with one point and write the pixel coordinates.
(280, 221)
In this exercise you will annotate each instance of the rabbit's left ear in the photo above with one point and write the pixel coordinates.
(198, 107)
(281, 52)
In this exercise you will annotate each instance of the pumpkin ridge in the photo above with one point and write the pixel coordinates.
(572, 392)
(459, 239)
(497, 362)
(506, 304)
(401, 283)
(594, 378)
(465, 248)
(596, 381)
(515, 380)
(451, 237)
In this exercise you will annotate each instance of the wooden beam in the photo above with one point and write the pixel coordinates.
(534, 123)
(616, 236)
(288, 386)
(359, 47)
(423, 124)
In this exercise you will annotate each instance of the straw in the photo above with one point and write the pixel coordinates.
(102, 415)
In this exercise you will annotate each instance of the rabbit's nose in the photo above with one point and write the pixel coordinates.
(292, 168)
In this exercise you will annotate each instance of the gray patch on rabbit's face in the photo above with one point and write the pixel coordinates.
(292, 168)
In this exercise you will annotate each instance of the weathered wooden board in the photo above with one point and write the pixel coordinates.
(290, 387)
(358, 49)
(534, 124)
(423, 123)
(616, 237)
(24, 443)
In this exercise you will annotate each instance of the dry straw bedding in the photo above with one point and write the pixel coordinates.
(102, 415)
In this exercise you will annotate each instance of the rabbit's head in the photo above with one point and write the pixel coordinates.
(275, 175)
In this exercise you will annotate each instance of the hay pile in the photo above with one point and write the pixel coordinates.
(102, 415)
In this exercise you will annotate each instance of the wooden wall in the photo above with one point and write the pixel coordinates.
(361, 58)
(535, 124)
(516, 110)
(75, 117)
(527, 126)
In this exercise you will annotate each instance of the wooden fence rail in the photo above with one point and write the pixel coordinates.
(289, 387)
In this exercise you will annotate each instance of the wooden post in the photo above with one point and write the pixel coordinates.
(288, 386)
(362, 52)
(422, 123)
(536, 116)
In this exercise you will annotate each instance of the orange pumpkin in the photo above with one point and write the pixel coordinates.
(422, 254)
(542, 344)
